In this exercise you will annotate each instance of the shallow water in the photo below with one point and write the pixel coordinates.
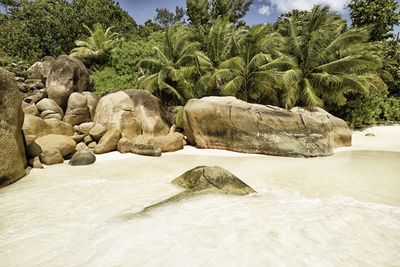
(342, 210)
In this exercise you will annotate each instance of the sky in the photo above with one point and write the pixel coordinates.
(260, 12)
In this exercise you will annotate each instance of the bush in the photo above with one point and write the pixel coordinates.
(107, 80)
(120, 73)
(368, 110)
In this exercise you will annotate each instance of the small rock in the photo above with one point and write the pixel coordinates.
(81, 146)
(49, 104)
(108, 142)
(125, 145)
(78, 138)
(31, 110)
(35, 163)
(82, 158)
(51, 157)
(49, 114)
(92, 145)
(369, 134)
(86, 127)
(87, 139)
(97, 132)
(147, 150)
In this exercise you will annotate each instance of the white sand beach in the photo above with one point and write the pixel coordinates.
(342, 210)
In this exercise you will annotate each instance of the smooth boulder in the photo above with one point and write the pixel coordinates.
(62, 143)
(231, 124)
(146, 150)
(34, 127)
(67, 75)
(77, 109)
(108, 142)
(338, 131)
(82, 158)
(168, 143)
(133, 112)
(51, 157)
(12, 151)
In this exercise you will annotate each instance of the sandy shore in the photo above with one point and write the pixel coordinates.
(387, 138)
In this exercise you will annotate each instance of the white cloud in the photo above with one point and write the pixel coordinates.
(288, 5)
(264, 10)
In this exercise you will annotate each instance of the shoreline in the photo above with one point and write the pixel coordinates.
(387, 138)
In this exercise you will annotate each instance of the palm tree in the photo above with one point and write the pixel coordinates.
(328, 62)
(255, 72)
(174, 67)
(98, 46)
(174, 70)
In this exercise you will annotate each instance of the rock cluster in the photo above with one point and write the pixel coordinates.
(61, 119)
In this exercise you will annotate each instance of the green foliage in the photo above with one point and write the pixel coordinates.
(327, 62)
(108, 80)
(368, 110)
(255, 72)
(38, 28)
(234, 10)
(97, 47)
(121, 70)
(166, 18)
(391, 65)
(49, 27)
(106, 12)
(197, 12)
(203, 12)
(381, 15)
(172, 71)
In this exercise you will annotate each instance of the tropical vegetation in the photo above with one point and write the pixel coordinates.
(305, 58)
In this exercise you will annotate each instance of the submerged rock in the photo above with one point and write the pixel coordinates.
(232, 124)
(201, 180)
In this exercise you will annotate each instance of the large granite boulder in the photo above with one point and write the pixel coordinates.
(12, 151)
(34, 127)
(62, 143)
(337, 129)
(133, 112)
(77, 109)
(67, 75)
(232, 124)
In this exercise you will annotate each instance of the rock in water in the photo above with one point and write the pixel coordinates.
(200, 180)
(12, 152)
(82, 158)
(232, 124)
